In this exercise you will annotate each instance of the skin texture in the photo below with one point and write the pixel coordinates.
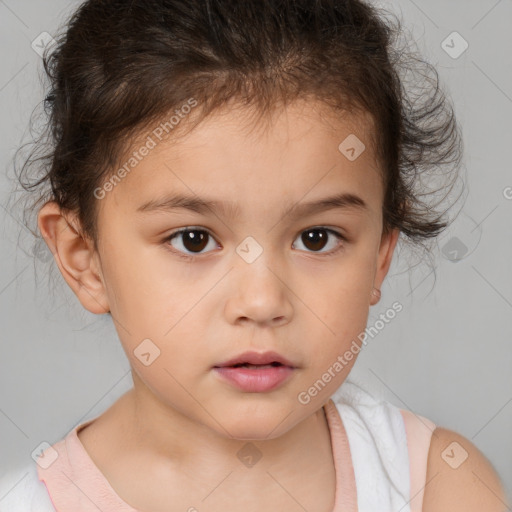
(174, 437)
(462, 484)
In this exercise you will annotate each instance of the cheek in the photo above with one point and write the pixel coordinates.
(333, 337)
(338, 310)
(340, 294)
(155, 311)
(139, 280)
(169, 380)
(340, 325)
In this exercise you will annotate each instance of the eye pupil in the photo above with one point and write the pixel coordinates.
(315, 236)
(193, 239)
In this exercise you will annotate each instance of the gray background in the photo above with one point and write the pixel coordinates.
(447, 356)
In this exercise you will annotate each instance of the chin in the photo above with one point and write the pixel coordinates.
(251, 426)
(251, 432)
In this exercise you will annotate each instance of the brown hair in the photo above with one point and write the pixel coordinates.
(122, 66)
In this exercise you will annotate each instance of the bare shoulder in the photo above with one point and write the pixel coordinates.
(460, 478)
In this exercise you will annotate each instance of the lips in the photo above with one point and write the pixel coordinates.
(253, 359)
(258, 379)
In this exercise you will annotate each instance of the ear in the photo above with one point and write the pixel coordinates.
(384, 258)
(75, 256)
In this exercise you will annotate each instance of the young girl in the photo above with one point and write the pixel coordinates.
(229, 180)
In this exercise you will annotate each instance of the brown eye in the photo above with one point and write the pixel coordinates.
(190, 240)
(315, 239)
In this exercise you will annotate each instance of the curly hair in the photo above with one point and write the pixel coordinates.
(120, 67)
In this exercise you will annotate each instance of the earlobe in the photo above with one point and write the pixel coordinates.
(385, 256)
(375, 296)
(74, 255)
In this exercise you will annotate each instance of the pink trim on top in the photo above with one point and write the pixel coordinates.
(75, 483)
(419, 433)
(346, 493)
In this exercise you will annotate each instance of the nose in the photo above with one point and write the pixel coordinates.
(262, 294)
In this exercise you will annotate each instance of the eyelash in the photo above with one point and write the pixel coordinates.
(186, 257)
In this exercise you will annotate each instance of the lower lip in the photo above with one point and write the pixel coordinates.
(254, 380)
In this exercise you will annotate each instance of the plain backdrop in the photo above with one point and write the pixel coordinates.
(446, 356)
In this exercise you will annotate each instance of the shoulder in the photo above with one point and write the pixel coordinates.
(459, 477)
(22, 491)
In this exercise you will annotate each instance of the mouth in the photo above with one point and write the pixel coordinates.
(257, 361)
(255, 378)
(253, 366)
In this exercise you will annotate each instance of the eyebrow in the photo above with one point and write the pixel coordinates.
(231, 210)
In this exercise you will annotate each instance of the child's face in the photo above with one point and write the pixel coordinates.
(299, 297)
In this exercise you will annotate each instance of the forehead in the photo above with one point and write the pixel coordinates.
(300, 122)
(249, 160)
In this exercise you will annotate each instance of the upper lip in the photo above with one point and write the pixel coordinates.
(252, 357)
